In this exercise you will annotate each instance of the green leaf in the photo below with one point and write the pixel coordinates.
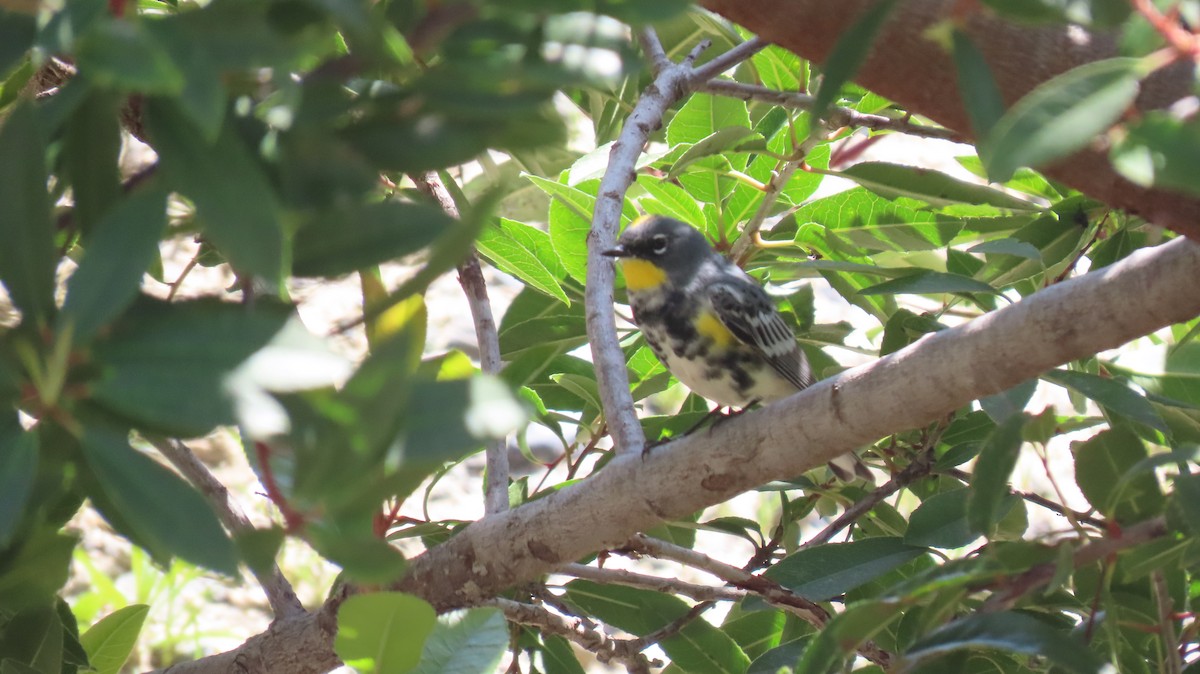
(842, 635)
(362, 236)
(935, 188)
(558, 657)
(28, 257)
(1007, 246)
(165, 365)
(702, 115)
(535, 321)
(525, 252)
(1101, 465)
(929, 282)
(698, 647)
(779, 68)
(1159, 151)
(33, 636)
(110, 641)
(570, 221)
(17, 33)
(122, 247)
(941, 521)
(18, 467)
(825, 571)
(90, 157)
(977, 87)
(1012, 632)
(37, 570)
(719, 142)
(383, 632)
(121, 55)
(989, 498)
(1007, 403)
(1185, 501)
(161, 508)
(467, 642)
(1110, 393)
(848, 55)
(858, 219)
(234, 198)
(672, 200)
(903, 328)
(1060, 116)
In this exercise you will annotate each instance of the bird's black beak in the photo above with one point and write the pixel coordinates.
(618, 251)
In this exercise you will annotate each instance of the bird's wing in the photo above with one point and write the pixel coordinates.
(746, 310)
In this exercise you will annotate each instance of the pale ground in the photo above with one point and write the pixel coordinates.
(202, 615)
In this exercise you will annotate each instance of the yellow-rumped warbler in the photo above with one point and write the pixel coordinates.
(709, 322)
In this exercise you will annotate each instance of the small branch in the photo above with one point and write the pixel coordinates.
(1172, 658)
(837, 116)
(647, 582)
(470, 277)
(674, 627)
(1015, 587)
(280, 595)
(728, 60)
(606, 648)
(745, 245)
(1042, 501)
(920, 467)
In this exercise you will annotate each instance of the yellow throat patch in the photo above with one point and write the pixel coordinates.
(642, 275)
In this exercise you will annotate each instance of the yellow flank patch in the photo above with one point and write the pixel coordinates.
(708, 325)
(642, 275)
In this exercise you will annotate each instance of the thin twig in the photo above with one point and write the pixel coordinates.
(1042, 501)
(744, 246)
(837, 116)
(1172, 658)
(470, 277)
(674, 627)
(920, 467)
(606, 648)
(280, 595)
(729, 59)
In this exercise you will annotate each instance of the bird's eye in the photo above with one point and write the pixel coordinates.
(660, 244)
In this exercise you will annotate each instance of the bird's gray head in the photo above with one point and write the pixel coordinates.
(672, 246)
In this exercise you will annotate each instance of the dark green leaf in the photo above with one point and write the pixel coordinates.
(383, 632)
(121, 55)
(535, 321)
(1007, 403)
(165, 365)
(941, 522)
(467, 642)
(1112, 394)
(989, 498)
(28, 257)
(33, 636)
(558, 656)
(1013, 632)
(17, 32)
(90, 156)
(851, 50)
(234, 199)
(18, 464)
(362, 236)
(826, 571)
(163, 509)
(903, 328)
(1101, 465)
(123, 245)
(929, 282)
(1060, 116)
(364, 558)
(977, 88)
(842, 635)
(1185, 501)
(37, 570)
(784, 655)
(1007, 246)
(110, 641)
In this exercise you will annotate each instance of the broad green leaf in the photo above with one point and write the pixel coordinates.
(989, 494)
(570, 221)
(365, 558)
(779, 68)
(525, 252)
(719, 142)
(935, 188)
(17, 33)
(674, 200)
(1007, 246)
(122, 246)
(468, 642)
(165, 365)
(1101, 464)
(903, 328)
(28, 257)
(699, 647)
(1060, 116)
(558, 657)
(1012, 632)
(234, 199)
(1110, 393)
(784, 655)
(33, 636)
(1005, 404)
(162, 509)
(977, 87)
(383, 632)
(1159, 151)
(824, 571)
(848, 54)
(1185, 501)
(35, 572)
(702, 115)
(110, 641)
(941, 521)
(857, 222)
(535, 321)
(838, 641)
(18, 467)
(361, 236)
(121, 55)
(929, 282)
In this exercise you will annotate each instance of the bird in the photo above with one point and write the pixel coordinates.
(711, 324)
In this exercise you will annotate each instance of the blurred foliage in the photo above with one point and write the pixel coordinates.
(283, 132)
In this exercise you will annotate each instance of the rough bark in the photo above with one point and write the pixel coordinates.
(908, 67)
